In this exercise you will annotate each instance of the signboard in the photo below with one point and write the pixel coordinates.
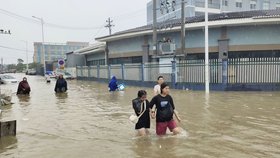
(61, 63)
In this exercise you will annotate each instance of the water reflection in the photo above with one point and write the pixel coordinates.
(7, 143)
(61, 95)
(24, 99)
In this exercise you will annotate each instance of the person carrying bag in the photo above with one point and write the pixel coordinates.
(142, 117)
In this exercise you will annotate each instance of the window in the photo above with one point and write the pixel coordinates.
(266, 5)
(277, 5)
(225, 2)
(210, 1)
(253, 4)
(238, 3)
(96, 62)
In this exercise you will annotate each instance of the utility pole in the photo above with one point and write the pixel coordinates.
(154, 27)
(183, 31)
(2, 65)
(206, 50)
(43, 41)
(5, 32)
(109, 25)
(26, 49)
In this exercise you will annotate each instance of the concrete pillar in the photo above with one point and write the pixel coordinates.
(109, 72)
(106, 54)
(89, 72)
(223, 56)
(123, 75)
(143, 72)
(98, 71)
(224, 71)
(146, 49)
(174, 74)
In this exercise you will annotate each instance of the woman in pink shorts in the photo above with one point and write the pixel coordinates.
(164, 111)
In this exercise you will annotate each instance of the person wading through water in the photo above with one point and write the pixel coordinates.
(23, 87)
(141, 107)
(165, 110)
(61, 85)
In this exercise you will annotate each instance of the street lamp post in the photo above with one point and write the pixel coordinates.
(43, 41)
(26, 49)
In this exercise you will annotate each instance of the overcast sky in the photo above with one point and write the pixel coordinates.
(73, 20)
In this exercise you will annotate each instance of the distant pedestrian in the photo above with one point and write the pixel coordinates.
(141, 108)
(61, 85)
(113, 85)
(160, 80)
(23, 87)
(165, 110)
(48, 78)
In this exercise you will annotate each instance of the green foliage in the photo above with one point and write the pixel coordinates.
(20, 61)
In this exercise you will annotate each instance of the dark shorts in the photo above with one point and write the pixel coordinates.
(161, 127)
(143, 123)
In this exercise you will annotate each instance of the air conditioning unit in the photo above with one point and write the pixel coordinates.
(167, 48)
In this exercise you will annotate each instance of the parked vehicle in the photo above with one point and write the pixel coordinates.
(31, 72)
(52, 74)
(7, 79)
(66, 75)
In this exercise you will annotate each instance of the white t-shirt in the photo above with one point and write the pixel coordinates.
(157, 89)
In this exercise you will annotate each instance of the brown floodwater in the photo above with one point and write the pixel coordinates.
(89, 121)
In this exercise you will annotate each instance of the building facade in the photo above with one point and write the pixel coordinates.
(253, 33)
(244, 53)
(171, 9)
(55, 51)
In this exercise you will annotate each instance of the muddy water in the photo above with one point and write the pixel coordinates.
(89, 121)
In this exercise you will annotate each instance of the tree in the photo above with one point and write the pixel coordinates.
(20, 61)
(35, 65)
(11, 66)
(20, 65)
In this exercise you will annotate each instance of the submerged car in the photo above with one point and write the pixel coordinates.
(6, 79)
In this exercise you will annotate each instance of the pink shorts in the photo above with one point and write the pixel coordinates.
(161, 127)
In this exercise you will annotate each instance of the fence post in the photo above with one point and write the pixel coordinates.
(123, 72)
(98, 71)
(142, 71)
(109, 72)
(224, 71)
(82, 72)
(77, 72)
(89, 72)
(173, 74)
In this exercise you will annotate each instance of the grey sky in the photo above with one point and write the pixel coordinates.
(79, 14)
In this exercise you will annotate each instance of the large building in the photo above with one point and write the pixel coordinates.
(55, 51)
(171, 9)
(250, 33)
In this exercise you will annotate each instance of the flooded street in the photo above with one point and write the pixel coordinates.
(89, 121)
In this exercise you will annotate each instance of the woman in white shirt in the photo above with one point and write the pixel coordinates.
(160, 80)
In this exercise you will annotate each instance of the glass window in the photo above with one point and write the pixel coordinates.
(277, 5)
(266, 5)
(253, 4)
(225, 2)
(238, 3)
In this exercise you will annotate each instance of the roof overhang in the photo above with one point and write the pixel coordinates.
(194, 26)
(95, 48)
